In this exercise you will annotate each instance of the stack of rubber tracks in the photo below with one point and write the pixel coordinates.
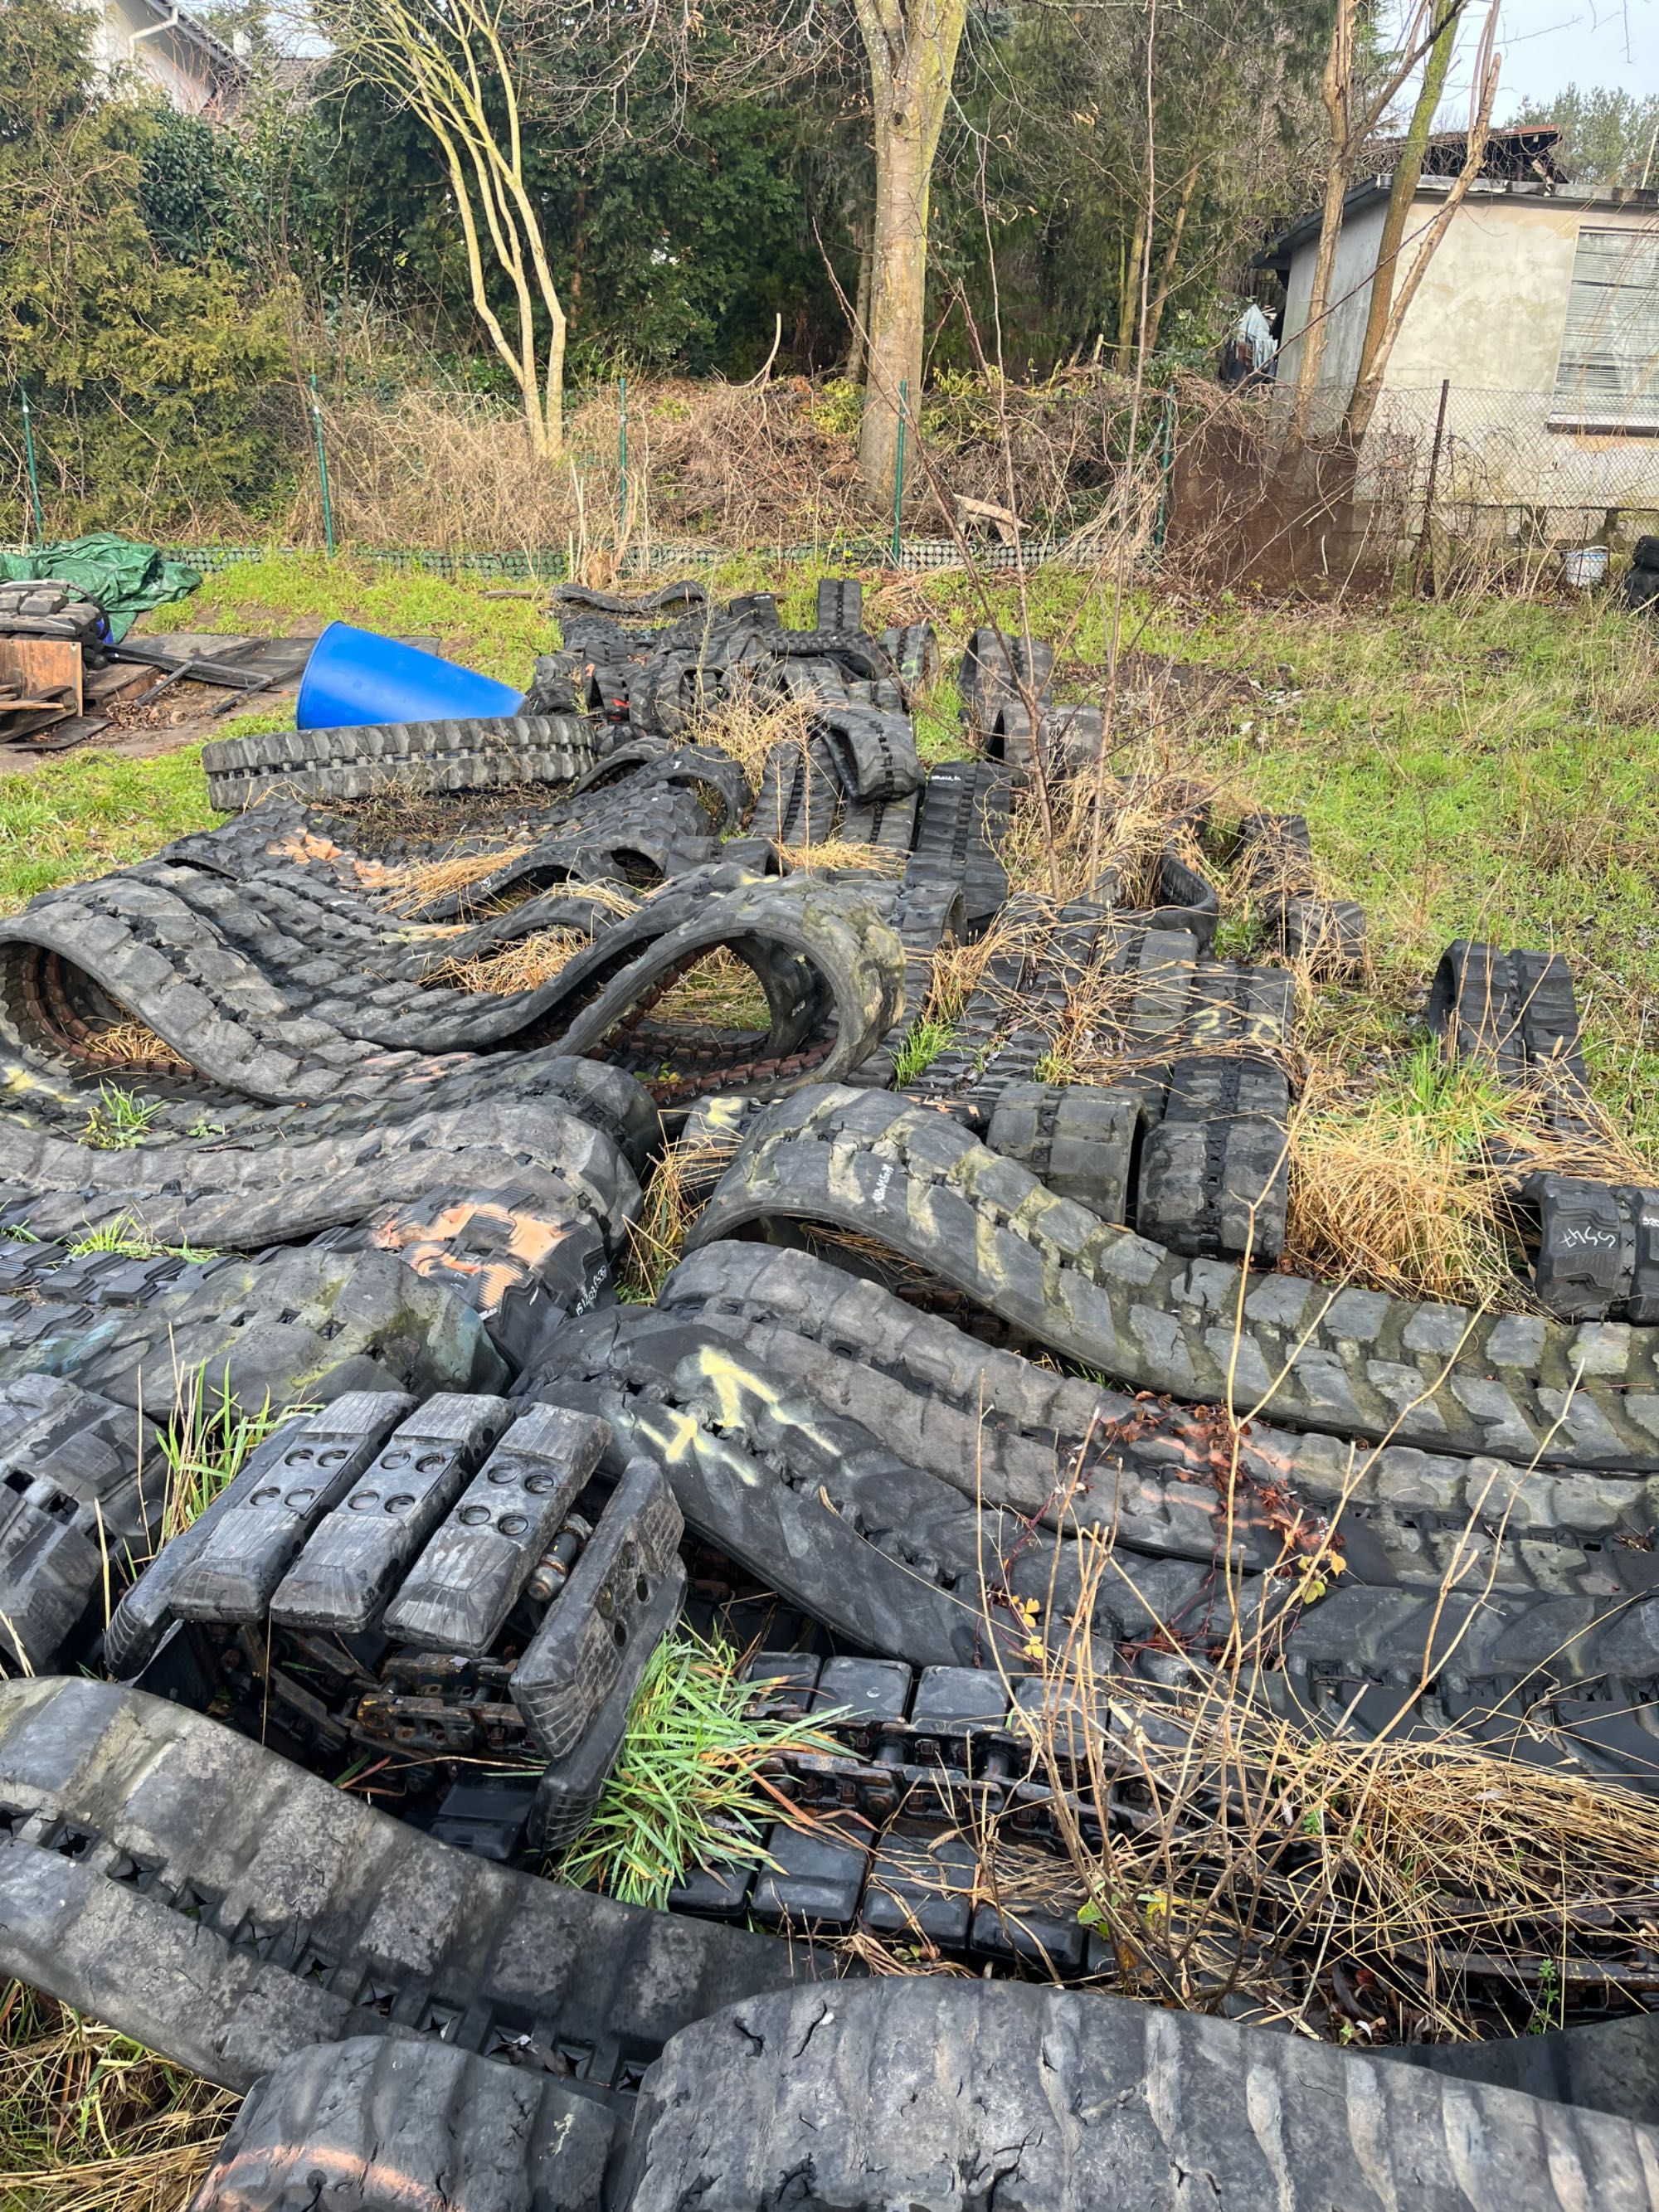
(949, 1377)
(427, 2022)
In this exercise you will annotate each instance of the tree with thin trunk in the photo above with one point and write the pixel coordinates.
(1171, 254)
(854, 369)
(911, 45)
(1352, 115)
(450, 62)
(1387, 310)
(1082, 172)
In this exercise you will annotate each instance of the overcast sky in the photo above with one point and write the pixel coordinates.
(1547, 45)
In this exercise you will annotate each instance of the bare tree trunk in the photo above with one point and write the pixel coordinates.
(860, 307)
(461, 87)
(1336, 90)
(578, 251)
(1171, 250)
(1403, 190)
(1366, 394)
(553, 390)
(913, 57)
(1350, 125)
(1129, 299)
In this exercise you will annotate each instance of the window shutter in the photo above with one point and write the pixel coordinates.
(1609, 369)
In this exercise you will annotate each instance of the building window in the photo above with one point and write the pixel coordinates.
(1608, 379)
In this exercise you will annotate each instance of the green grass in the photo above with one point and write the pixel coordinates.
(938, 720)
(206, 1445)
(1487, 771)
(1467, 768)
(119, 1120)
(499, 637)
(72, 818)
(684, 1790)
(123, 1235)
(1457, 1104)
(922, 1045)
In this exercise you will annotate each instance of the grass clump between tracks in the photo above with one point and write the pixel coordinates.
(125, 1238)
(1394, 1187)
(681, 1182)
(523, 965)
(206, 1444)
(118, 1120)
(1417, 1886)
(689, 1788)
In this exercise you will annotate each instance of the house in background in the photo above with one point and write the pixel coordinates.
(1539, 315)
(199, 75)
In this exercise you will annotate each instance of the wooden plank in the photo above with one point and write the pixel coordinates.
(46, 670)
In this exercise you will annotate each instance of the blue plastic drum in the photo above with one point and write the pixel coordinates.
(355, 677)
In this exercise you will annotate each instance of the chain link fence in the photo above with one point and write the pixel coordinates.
(444, 482)
(670, 476)
(1491, 470)
(1497, 488)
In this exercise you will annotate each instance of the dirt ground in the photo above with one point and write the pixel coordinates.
(186, 713)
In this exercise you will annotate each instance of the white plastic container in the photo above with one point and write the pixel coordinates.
(1584, 565)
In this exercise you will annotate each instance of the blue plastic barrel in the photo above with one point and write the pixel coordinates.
(355, 677)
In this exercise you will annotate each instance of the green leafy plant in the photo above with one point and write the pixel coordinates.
(1550, 2009)
(124, 1235)
(119, 1120)
(206, 1445)
(687, 1788)
(922, 1046)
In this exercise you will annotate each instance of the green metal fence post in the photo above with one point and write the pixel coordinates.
(34, 474)
(322, 467)
(621, 457)
(898, 468)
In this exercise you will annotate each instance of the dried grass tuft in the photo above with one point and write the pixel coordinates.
(750, 725)
(1155, 805)
(91, 2121)
(719, 991)
(133, 1043)
(1394, 1189)
(1378, 1891)
(524, 966)
(960, 968)
(840, 851)
(681, 1184)
(1405, 1181)
(422, 883)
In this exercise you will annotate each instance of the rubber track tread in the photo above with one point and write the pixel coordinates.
(1063, 1451)
(1355, 1363)
(1073, 2101)
(228, 1909)
(394, 2125)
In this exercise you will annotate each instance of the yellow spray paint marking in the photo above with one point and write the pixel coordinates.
(681, 1440)
(736, 1388)
(674, 1442)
